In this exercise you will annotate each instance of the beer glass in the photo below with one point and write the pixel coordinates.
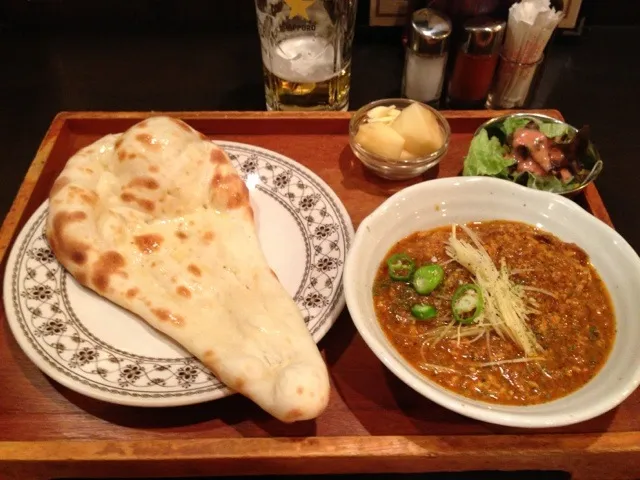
(306, 53)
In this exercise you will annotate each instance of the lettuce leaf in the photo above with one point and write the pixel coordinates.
(487, 157)
(548, 183)
(552, 130)
(511, 124)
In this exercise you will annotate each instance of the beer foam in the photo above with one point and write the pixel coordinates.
(303, 59)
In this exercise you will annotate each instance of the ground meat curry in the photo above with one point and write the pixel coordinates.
(573, 322)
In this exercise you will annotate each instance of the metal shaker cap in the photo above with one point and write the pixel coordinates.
(483, 36)
(429, 33)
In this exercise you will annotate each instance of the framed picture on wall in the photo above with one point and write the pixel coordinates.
(388, 13)
(571, 11)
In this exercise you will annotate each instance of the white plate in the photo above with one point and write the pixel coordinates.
(96, 348)
(445, 201)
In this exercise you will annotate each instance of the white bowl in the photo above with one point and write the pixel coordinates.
(463, 199)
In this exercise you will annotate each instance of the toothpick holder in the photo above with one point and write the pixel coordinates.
(512, 84)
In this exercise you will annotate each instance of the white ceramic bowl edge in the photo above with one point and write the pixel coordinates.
(464, 199)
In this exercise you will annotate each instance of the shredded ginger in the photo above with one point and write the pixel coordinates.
(505, 307)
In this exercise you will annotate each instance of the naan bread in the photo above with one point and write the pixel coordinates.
(158, 221)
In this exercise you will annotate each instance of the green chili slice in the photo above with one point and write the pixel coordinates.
(427, 278)
(467, 299)
(423, 311)
(401, 266)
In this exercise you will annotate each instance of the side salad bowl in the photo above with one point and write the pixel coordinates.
(496, 152)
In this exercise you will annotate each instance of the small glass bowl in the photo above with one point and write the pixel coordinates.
(389, 168)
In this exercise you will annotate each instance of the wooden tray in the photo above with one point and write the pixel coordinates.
(374, 423)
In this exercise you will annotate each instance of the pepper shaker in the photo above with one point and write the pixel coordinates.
(426, 56)
(476, 62)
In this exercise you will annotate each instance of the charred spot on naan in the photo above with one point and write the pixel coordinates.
(165, 315)
(229, 191)
(239, 197)
(207, 237)
(218, 157)
(154, 168)
(75, 193)
(194, 270)
(132, 292)
(181, 235)
(293, 415)
(144, 203)
(59, 184)
(148, 141)
(89, 197)
(118, 142)
(148, 183)
(64, 247)
(148, 243)
(239, 384)
(183, 291)
(88, 151)
(108, 264)
(126, 155)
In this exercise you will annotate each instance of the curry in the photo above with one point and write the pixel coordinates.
(531, 324)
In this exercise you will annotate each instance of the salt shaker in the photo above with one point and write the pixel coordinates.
(476, 62)
(426, 56)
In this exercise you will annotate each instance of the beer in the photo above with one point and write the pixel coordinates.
(305, 73)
